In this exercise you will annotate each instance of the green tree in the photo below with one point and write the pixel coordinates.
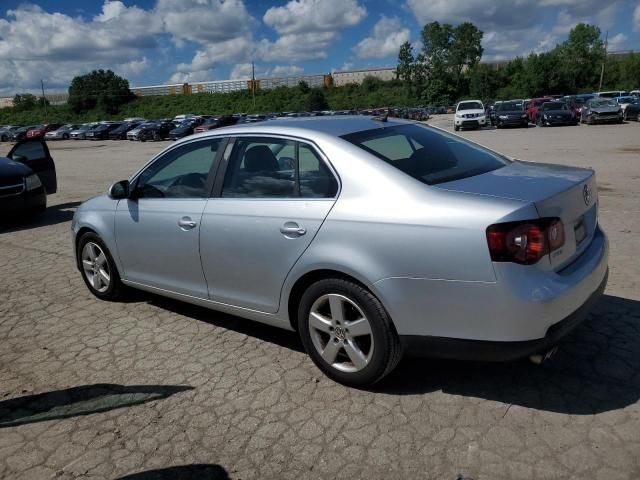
(448, 53)
(100, 89)
(316, 100)
(404, 71)
(303, 87)
(27, 101)
(582, 55)
(465, 52)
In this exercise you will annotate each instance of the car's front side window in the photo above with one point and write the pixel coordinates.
(180, 173)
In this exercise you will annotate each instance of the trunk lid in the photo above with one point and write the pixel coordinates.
(569, 193)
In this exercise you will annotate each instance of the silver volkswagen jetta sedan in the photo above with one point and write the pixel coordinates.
(371, 238)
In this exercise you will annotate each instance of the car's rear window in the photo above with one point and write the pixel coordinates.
(427, 154)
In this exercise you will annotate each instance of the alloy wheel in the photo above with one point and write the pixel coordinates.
(96, 267)
(341, 333)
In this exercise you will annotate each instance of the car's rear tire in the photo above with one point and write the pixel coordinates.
(347, 332)
(98, 269)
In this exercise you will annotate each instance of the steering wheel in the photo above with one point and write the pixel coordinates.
(192, 180)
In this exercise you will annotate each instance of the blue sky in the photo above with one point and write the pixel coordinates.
(172, 41)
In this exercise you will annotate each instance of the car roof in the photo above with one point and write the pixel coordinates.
(336, 126)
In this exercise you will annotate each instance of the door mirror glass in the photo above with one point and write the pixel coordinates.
(119, 190)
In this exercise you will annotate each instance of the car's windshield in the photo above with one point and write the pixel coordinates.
(626, 99)
(427, 154)
(554, 106)
(603, 102)
(470, 106)
(508, 106)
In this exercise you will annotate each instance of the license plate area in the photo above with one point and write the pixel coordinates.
(580, 230)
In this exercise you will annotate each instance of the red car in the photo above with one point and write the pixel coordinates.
(40, 130)
(532, 109)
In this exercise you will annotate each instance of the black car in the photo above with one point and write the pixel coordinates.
(632, 111)
(555, 113)
(120, 133)
(5, 132)
(185, 128)
(601, 110)
(510, 114)
(155, 131)
(27, 176)
(101, 132)
(20, 133)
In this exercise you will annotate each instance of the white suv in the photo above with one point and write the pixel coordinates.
(469, 114)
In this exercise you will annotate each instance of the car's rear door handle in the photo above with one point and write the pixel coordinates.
(292, 229)
(185, 223)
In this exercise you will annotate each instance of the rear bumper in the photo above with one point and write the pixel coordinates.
(463, 349)
(522, 305)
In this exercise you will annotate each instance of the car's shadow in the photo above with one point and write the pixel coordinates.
(266, 333)
(53, 215)
(194, 471)
(596, 369)
(80, 401)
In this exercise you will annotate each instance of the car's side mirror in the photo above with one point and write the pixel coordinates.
(120, 190)
(19, 158)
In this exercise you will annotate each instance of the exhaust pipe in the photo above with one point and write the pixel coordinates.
(540, 358)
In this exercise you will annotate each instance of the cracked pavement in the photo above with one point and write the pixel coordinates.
(95, 390)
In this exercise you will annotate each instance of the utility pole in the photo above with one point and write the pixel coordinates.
(44, 101)
(253, 83)
(604, 60)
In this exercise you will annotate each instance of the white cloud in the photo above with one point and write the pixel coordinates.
(385, 39)
(636, 19)
(299, 16)
(506, 44)
(295, 47)
(486, 14)
(307, 28)
(617, 42)
(210, 56)
(204, 21)
(36, 44)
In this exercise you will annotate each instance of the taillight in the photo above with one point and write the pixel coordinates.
(524, 242)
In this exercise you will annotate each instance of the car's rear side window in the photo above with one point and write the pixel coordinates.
(427, 154)
(277, 168)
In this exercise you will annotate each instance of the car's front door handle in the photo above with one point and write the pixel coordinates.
(185, 223)
(292, 229)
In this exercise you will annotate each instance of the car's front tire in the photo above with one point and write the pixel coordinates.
(347, 332)
(98, 269)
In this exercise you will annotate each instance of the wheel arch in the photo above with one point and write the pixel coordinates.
(307, 279)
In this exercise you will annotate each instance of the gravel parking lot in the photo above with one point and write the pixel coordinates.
(90, 389)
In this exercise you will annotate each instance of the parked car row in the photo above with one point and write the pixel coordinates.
(548, 111)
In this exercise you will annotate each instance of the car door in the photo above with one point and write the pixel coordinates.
(35, 154)
(157, 229)
(267, 209)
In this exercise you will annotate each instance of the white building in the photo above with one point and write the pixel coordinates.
(357, 76)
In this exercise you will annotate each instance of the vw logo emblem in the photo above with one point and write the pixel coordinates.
(586, 195)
